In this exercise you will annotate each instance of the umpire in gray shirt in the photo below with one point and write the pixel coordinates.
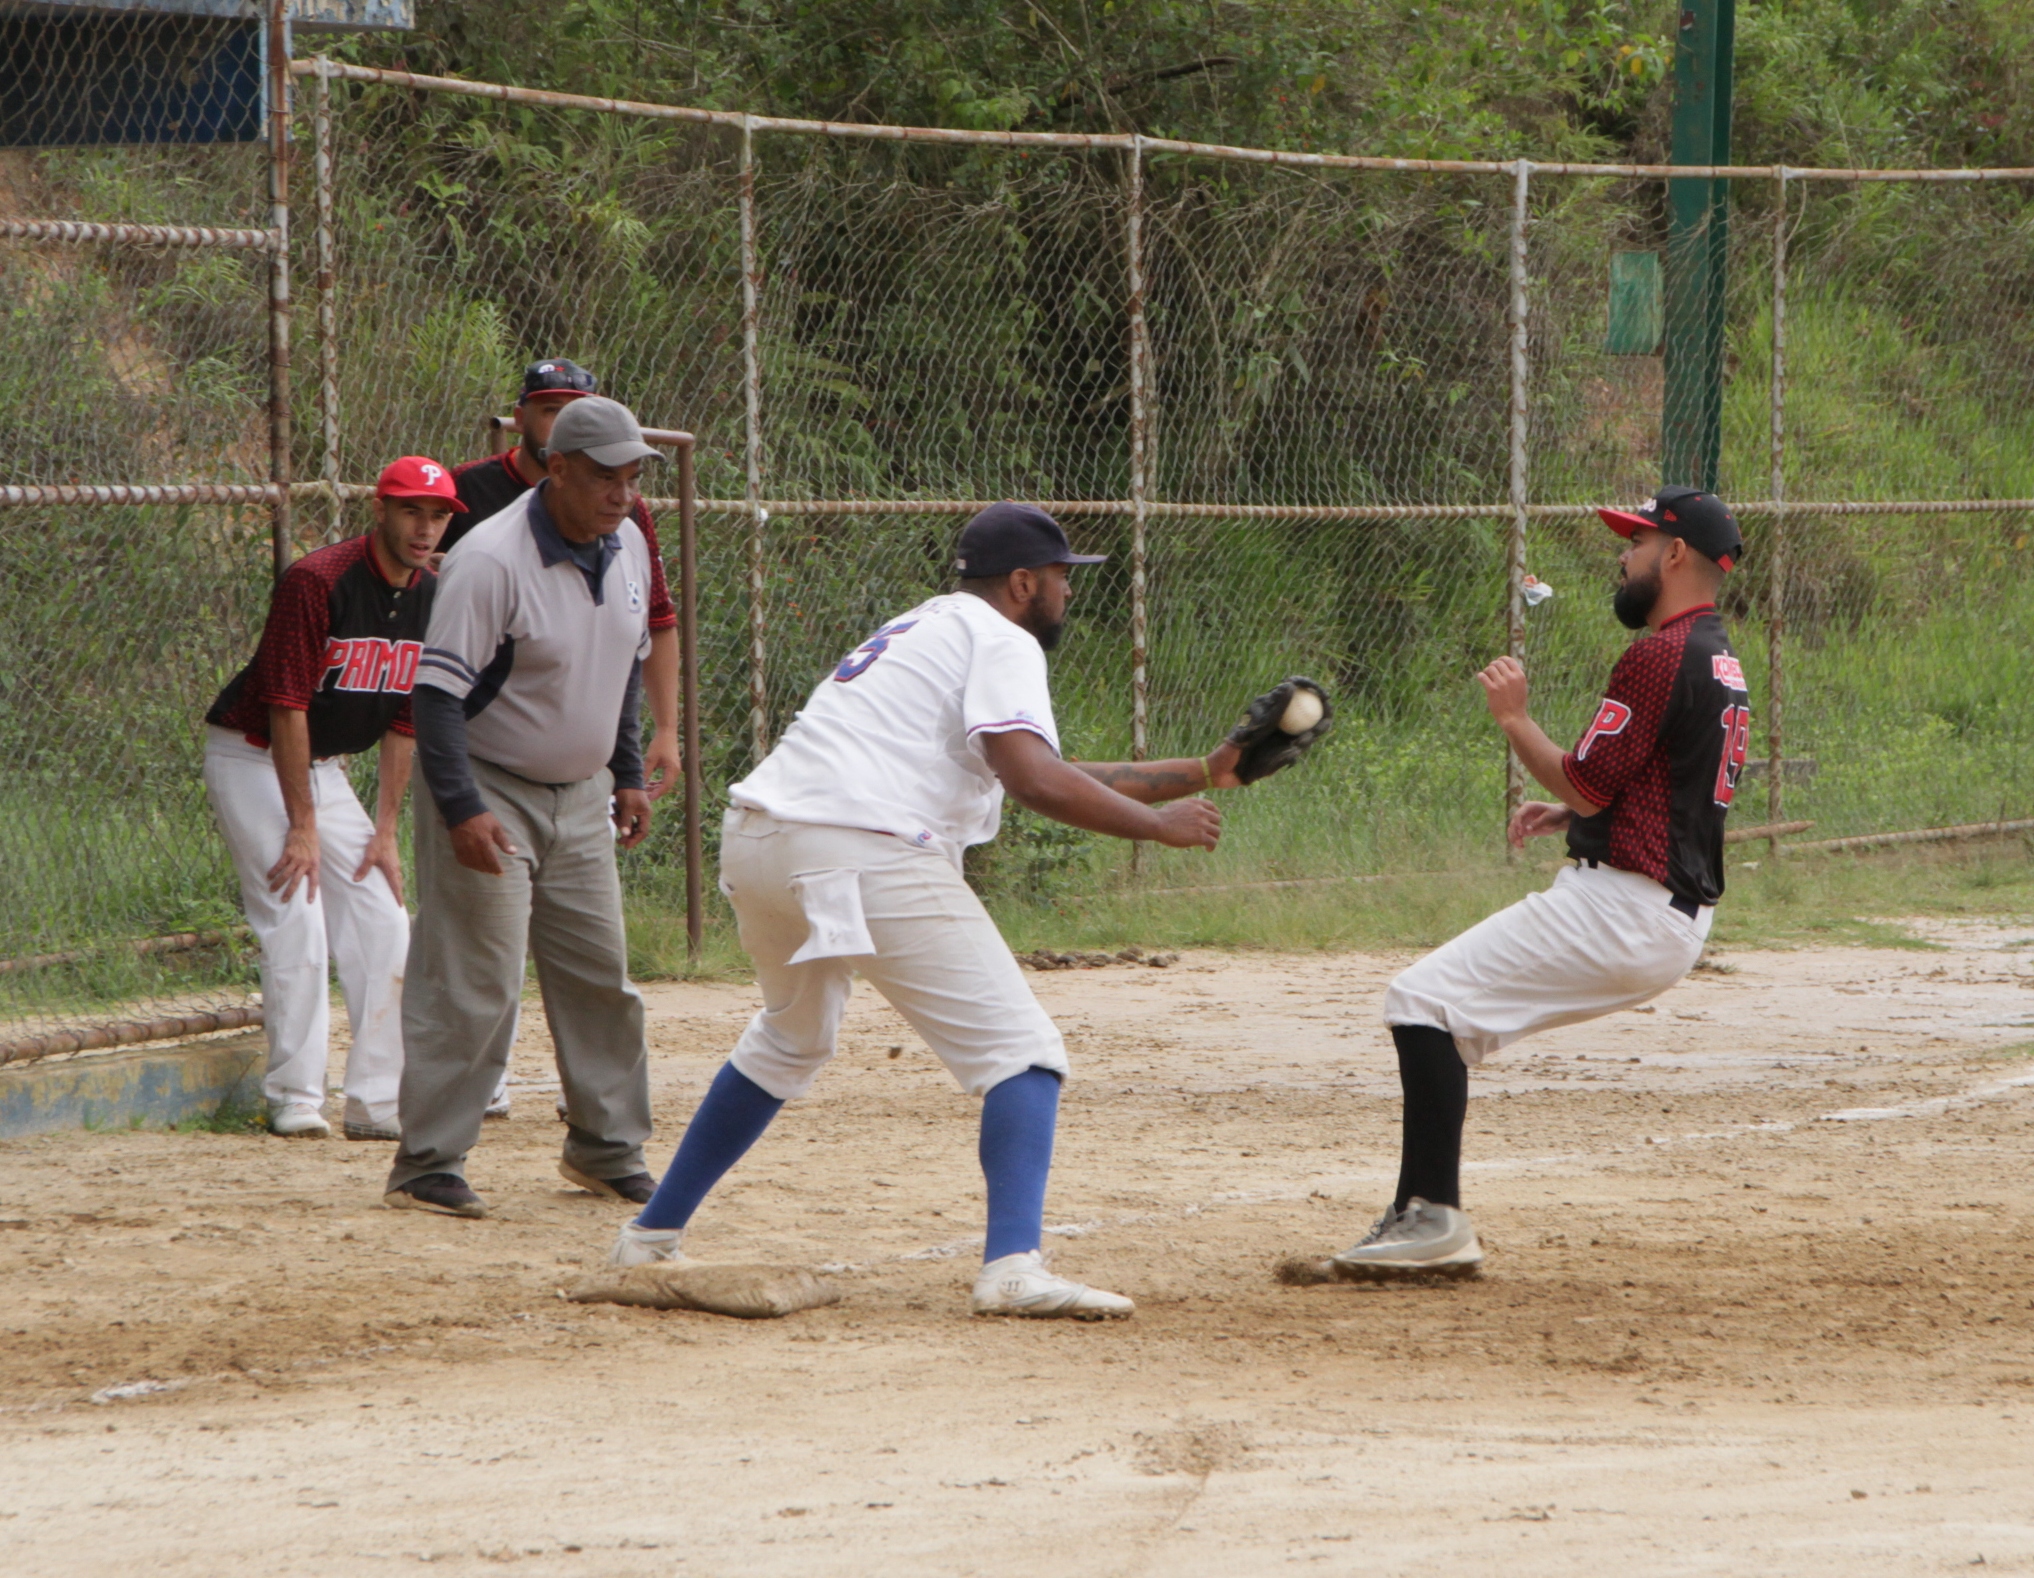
(526, 711)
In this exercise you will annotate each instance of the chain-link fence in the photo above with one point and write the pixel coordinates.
(140, 251)
(1325, 415)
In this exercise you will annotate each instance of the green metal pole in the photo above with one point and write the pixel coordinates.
(1698, 239)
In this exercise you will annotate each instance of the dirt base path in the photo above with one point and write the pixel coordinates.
(1760, 1299)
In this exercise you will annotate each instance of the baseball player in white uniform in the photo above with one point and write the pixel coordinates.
(842, 853)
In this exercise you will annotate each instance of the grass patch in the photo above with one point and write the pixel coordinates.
(657, 942)
(1860, 897)
(234, 1115)
(1857, 899)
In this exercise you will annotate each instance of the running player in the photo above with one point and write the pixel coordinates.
(1642, 798)
(842, 852)
(331, 678)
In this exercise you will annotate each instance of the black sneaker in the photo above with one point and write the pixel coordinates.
(446, 1192)
(635, 1189)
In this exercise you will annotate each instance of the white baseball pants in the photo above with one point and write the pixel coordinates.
(359, 924)
(1598, 940)
(939, 959)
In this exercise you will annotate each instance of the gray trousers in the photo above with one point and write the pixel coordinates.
(559, 897)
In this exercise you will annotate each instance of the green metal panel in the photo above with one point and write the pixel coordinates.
(1691, 426)
(1636, 309)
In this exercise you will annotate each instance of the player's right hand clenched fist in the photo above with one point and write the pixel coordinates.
(1504, 687)
(480, 841)
(1189, 824)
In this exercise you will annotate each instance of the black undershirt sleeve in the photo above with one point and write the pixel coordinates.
(627, 762)
(440, 720)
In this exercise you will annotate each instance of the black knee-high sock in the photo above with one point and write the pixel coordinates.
(1436, 1085)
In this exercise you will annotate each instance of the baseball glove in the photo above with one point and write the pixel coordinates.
(1266, 748)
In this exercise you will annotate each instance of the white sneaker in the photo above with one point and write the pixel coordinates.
(647, 1246)
(1020, 1285)
(299, 1122)
(1423, 1240)
(498, 1105)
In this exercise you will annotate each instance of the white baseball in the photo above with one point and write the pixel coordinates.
(1301, 713)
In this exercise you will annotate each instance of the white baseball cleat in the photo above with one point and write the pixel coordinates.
(1423, 1240)
(299, 1122)
(1020, 1285)
(647, 1246)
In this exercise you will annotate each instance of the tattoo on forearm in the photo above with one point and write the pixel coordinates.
(1167, 780)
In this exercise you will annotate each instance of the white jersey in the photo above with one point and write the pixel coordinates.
(891, 739)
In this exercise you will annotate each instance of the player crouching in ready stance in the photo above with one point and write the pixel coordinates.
(331, 678)
(1642, 799)
(842, 852)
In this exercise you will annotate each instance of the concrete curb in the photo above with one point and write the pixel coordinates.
(159, 1085)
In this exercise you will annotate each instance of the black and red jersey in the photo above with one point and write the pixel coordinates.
(487, 487)
(1663, 755)
(342, 644)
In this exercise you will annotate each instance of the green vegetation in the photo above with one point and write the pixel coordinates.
(951, 323)
(231, 1116)
(1856, 899)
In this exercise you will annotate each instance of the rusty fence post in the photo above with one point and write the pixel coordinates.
(759, 518)
(278, 41)
(1515, 543)
(328, 307)
(1776, 544)
(688, 659)
(1140, 456)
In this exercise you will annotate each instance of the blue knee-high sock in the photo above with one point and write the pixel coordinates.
(731, 1119)
(1018, 1118)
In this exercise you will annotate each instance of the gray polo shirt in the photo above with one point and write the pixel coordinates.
(539, 646)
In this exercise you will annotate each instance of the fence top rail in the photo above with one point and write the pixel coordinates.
(80, 232)
(1214, 510)
(21, 495)
(1122, 141)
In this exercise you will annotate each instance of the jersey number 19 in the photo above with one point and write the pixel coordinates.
(1736, 736)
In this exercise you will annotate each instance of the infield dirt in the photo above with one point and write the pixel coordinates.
(1760, 1299)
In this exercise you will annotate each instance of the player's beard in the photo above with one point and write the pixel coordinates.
(1044, 632)
(1634, 600)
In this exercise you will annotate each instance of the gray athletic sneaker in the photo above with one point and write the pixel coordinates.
(1421, 1241)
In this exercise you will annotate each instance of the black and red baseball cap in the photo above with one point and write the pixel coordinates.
(1010, 536)
(556, 376)
(417, 477)
(1701, 520)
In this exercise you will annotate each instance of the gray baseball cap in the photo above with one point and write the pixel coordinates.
(604, 430)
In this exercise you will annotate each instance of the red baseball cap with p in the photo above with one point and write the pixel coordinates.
(417, 477)
(1701, 520)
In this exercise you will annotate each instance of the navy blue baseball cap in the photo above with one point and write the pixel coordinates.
(555, 375)
(1007, 536)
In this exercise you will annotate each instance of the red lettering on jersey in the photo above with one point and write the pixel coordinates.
(1736, 737)
(1728, 671)
(1611, 718)
(369, 663)
(359, 673)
